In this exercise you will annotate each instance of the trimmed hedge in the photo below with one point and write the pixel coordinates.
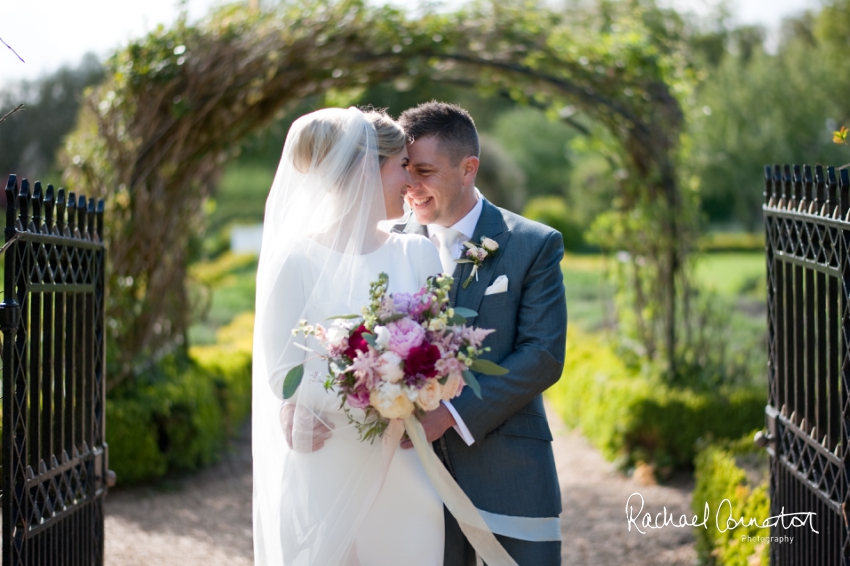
(632, 416)
(732, 242)
(180, 413)
(737, 471)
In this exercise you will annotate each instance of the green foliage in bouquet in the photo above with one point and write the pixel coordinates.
(736, 470)
(632, 415)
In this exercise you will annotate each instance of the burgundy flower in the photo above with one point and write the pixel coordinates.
(421, 359)
(356, 343)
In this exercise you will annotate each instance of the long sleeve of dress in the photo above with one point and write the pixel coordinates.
(285, 309)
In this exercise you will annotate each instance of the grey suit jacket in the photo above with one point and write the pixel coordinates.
(510, 469)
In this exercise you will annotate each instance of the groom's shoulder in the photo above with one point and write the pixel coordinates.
(523, 227)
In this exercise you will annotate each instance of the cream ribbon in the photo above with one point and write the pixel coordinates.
(456, 501)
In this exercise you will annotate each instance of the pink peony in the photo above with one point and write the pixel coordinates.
(358, 399)
(404, 334)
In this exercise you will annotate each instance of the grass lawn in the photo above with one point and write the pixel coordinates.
(231, 280)
(738, 278)
(734, 273)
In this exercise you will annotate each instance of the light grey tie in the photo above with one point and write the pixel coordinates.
(448, 238)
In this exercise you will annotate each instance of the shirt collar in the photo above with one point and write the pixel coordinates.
(465, 225)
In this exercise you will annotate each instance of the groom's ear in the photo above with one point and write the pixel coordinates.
(469, 168)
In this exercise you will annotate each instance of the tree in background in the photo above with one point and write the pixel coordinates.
(754, 108)
(31, 138)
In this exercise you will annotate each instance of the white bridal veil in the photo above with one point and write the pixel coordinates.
(321, 218)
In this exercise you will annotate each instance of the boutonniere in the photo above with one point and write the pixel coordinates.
(477, 254)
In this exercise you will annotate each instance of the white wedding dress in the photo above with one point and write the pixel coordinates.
(348, 503)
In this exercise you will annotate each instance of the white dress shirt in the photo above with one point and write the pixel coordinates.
(466, 226)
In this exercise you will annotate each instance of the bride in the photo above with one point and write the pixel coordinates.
(325, 498)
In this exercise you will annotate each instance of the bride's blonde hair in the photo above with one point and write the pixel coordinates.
(318, 137)
(391, 137)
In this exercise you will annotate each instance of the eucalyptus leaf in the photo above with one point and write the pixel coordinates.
(488, 368)
(465, 312)
(292, 381)
(457, 320)
(370, 339)
(393, 318)
(344, 316)
(472, 382)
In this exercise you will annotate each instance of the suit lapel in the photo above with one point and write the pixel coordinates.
(492, 225)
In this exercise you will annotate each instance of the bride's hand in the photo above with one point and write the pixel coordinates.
(310, 432)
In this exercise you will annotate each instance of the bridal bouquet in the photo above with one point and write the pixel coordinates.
(401, 356)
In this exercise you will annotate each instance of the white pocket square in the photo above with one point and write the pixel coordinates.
(500, 285)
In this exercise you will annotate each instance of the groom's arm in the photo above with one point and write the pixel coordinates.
(538, 356)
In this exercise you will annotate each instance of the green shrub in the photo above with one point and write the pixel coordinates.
(554, 212)
(132, 437)
(179, 414)
(737, 471)
(632, 416)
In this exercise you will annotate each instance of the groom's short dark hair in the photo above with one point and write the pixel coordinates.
(451, 124)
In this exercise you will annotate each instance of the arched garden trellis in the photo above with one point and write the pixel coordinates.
(154, 137)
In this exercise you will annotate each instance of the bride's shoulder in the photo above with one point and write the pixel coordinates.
(418, 251)
(411, 242)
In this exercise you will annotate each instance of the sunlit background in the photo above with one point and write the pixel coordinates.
(50, 33)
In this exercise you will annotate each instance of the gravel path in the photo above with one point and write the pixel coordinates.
(204, 519)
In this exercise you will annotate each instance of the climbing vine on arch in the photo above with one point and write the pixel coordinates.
(176, 104)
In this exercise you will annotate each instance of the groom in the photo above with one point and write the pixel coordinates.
(498, 448)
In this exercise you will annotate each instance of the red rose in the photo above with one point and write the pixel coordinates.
(356, 343)
(421, 359)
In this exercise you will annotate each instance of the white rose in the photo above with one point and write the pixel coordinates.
(453, 386)
(491, 245)
(382, 337)
(430, 395)
(335, 336)
(391, 402)
(390, 368)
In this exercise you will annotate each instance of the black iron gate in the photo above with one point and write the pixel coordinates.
(54, 456)
(808, 268)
